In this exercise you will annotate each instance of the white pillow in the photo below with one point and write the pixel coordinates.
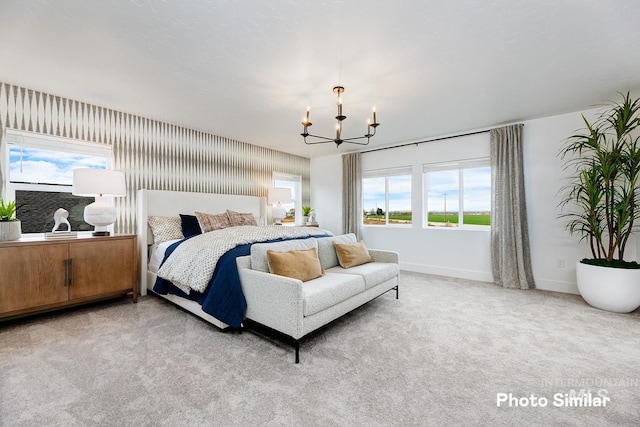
(165, 228)
(259, 251)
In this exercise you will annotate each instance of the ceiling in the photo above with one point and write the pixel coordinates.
(248, 69)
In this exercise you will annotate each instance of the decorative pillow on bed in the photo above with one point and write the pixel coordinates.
(238, 218)
(165, 228)
(352, 254)
(211, 222)
(302, 265)
(190, 225)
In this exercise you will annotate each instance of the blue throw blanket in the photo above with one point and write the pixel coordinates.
(223, 298)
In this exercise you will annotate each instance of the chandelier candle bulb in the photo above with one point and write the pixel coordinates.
(374, 115)
(306, 123)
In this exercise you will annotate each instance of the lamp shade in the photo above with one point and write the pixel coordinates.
(279, 195)
(98, 182)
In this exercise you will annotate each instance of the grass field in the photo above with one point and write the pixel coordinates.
(467, 219)
(436, 219)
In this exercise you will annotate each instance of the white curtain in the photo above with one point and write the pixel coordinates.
(352, 194)
(510, 255)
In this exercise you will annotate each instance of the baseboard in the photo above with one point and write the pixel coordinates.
(458, 273)
(557, 286)
(482, 276)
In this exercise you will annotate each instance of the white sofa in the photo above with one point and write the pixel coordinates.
(295, 308)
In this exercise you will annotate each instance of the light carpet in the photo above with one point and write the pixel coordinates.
(439, 356)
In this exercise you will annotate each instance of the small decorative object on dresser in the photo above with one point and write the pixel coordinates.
(60, 217)
(311, 220)
(10, 227)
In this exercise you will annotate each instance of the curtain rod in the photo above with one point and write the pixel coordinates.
(426, 140)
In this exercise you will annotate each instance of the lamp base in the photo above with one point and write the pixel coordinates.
(101, 214)
(277, 214)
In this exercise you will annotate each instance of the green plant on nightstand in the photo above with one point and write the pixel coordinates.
(7, 211)
(10, 227)
(305, 214)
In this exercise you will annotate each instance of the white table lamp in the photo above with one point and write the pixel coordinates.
(101, 184)
(279, 195)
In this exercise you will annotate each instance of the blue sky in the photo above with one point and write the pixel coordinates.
(477, 191)
(399, 193)
(48, 167)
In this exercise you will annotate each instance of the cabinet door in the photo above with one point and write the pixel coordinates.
(32, 276)
(101, 267)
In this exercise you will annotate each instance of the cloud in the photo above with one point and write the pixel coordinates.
(48, 167)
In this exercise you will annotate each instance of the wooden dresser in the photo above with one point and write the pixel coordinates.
(37, 274)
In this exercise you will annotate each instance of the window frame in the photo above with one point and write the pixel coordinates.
(459, 166)
(386, 174)
(34, 140)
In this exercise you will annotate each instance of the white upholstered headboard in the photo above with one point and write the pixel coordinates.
(170, 203)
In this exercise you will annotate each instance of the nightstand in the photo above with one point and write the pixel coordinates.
(40, 274)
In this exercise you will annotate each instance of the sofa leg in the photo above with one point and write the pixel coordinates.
(297, 346)
(397, 291)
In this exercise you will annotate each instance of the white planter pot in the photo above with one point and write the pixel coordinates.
(10, 230)
(607, 288)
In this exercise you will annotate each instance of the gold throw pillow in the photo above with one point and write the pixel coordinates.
(352, 254)
(302, 265)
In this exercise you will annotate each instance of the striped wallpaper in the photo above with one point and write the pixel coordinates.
(154, 155)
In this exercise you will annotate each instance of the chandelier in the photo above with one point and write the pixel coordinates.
(339, 118)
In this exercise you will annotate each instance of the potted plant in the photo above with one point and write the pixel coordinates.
(602, 203)
(10, 228)
(305, 214)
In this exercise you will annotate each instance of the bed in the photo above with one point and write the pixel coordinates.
(170, 207)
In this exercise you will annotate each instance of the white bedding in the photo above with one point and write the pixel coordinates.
(191, 265)
(158, 255)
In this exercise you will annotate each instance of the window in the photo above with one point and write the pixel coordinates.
(39, 177)
(293, 182)
(386, 197)
(458, 194)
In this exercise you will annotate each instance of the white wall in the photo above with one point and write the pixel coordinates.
(465, 253)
